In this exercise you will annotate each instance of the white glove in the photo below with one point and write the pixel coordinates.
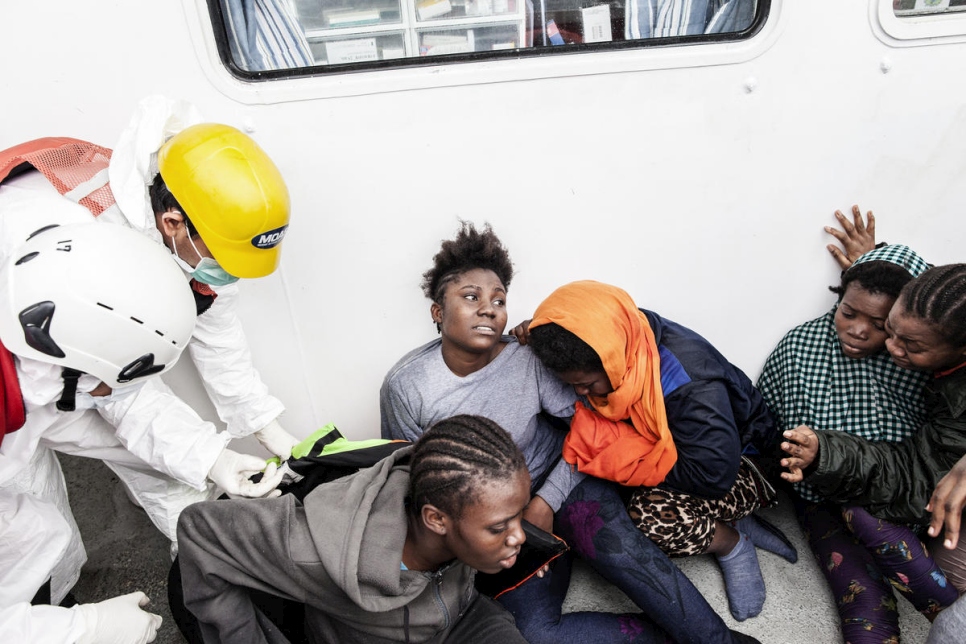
(276, 440)
(232, 470)
(119, 620)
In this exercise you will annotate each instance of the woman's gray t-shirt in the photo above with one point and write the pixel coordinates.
(512, 391)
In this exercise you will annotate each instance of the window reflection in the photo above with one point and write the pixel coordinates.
(920, 7)
(287, 34)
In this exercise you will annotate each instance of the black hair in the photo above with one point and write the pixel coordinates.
(163, 200)
(876, 277)
(560, 350)
(470, 250)
(939, 296)
(456, 458)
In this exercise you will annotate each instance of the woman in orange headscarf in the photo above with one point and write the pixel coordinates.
(671, 418)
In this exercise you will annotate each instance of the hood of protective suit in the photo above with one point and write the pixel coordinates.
(134, 163)
(358, 525)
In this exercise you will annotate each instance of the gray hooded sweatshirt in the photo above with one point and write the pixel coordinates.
(340, 554)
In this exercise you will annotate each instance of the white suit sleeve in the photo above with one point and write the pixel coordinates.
(220, 353)
(22, 622)
(162, 430)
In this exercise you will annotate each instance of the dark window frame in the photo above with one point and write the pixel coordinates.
(224, 53)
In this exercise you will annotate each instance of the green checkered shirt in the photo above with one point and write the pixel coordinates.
(807, 380)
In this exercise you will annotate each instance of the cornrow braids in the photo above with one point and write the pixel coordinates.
(939, 296)
(470, 250)
(457, 457)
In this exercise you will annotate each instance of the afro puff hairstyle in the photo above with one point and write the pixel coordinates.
(470, 250)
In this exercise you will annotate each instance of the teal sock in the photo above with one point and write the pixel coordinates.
(743, 580)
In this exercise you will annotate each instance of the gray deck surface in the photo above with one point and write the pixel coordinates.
(126, 553)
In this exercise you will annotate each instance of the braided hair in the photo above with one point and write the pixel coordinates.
(456, 458)
(938, 296)
(470, 250)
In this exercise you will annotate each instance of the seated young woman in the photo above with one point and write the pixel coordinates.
(690, 414)
(834, 373)
(892, 482)
(473, 368)
(388, 554)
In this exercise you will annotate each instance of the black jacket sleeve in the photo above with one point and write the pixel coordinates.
(892, 480)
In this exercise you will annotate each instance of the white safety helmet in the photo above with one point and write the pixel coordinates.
(96, 297)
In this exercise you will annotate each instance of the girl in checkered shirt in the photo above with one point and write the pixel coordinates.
(834, 374)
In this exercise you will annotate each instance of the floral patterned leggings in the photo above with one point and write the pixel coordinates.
(863, 558)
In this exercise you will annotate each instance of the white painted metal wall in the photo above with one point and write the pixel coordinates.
(698, 178)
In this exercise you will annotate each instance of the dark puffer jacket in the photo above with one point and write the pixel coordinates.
(713, 411)
(894, 481)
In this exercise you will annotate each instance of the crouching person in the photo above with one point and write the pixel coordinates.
(387, 554)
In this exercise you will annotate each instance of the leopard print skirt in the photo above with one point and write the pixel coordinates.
(681, 524)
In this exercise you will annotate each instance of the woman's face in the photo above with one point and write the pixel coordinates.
(587, 383)
(489, 534)
(473, 314)
(860, 321)
(917, 344)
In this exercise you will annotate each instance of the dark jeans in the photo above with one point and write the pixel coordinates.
(594, 521)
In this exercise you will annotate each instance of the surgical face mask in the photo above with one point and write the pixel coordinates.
(207, 271)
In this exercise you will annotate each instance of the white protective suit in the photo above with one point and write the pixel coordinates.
(155, 443)
(218, 347)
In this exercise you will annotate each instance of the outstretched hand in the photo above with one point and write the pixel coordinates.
(233, 473)
(857, 237)
(946, 504)
(802, 446)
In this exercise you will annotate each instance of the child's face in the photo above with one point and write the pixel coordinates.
(860, 321)
(917, 344)
(587, 383)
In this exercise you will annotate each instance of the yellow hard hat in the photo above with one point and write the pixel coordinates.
(232, 192)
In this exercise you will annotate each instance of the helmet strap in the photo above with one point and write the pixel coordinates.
(70, 376)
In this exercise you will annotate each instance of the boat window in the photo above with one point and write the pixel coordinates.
(263, 39)
(910, 8)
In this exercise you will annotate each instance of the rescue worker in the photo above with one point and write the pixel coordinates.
(213, 197)
(67, 313)
(227, 208)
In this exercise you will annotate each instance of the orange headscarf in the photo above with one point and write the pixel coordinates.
(606, 318)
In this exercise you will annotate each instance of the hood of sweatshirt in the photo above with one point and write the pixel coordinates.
(358, 525)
